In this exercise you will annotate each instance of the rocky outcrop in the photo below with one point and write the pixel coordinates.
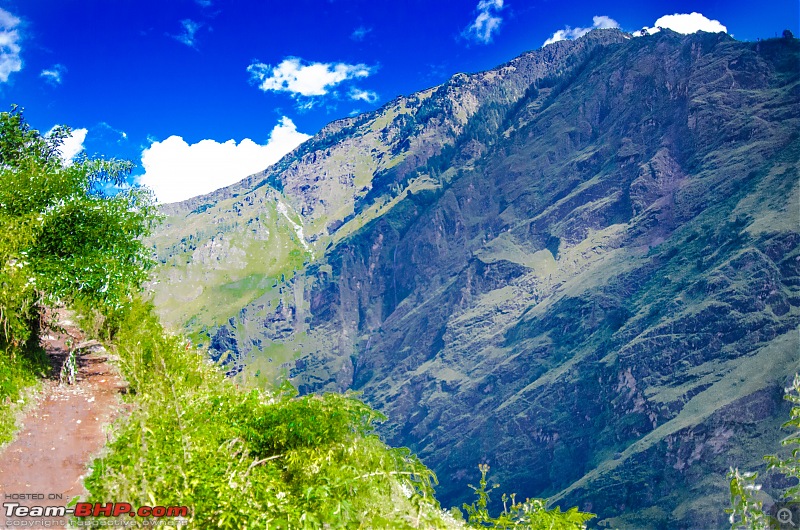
(581, 267)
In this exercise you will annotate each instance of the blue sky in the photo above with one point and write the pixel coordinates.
(207, 89)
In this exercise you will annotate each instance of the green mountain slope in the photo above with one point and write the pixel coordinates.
(353, 171)
(581, 267)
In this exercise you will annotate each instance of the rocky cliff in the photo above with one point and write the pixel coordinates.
(581, 267)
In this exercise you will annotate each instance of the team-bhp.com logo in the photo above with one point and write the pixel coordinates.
(115, 509)
(88, 509)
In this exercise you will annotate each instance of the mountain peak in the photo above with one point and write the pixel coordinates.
(565, 266)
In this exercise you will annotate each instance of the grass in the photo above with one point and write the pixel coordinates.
(205, 279)
(744, 377)
(549, 181)
(19, 373)
(250, 459)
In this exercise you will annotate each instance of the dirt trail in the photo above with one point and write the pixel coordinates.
(63, 430)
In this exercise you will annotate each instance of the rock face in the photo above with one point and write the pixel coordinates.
(582, 267)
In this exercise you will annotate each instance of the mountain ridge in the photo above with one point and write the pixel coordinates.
(570, 289)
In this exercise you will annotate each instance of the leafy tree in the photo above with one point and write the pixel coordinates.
(65, 239)
(787, 34)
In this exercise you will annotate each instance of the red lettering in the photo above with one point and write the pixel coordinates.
(83, 509)
(178, 511)
(122, 507)
(144, 511)
(105, 509)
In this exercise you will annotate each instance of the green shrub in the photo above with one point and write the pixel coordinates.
(248, 459)
(532, 513)
(16, 374)
(64, 241)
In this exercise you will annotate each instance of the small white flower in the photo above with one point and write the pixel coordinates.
(406, 489)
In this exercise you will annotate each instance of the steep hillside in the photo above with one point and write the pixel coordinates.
(353, 171)
(581, 267)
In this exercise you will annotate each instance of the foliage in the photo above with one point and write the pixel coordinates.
(252, 459)
(746, 510)
(247, 459)
(80, 242)
(66, 237)
(16, 375)
(64, 240)
(532, 513)
(790, 466)
(239, 459)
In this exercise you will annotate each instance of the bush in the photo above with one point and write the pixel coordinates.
(64, 240)
(248, 459)
(532, 513)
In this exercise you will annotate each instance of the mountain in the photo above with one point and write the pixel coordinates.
(581, 267)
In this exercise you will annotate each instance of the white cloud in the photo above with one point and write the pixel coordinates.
(687, 23)
(486, 23)
(53, 75)
(360, 33)
(310, 79)
(107, 134)
(364, 95)
(175, 170)
(604, 22)
(190, 28)
(568, 33)
(10, 60)
(72, 145)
